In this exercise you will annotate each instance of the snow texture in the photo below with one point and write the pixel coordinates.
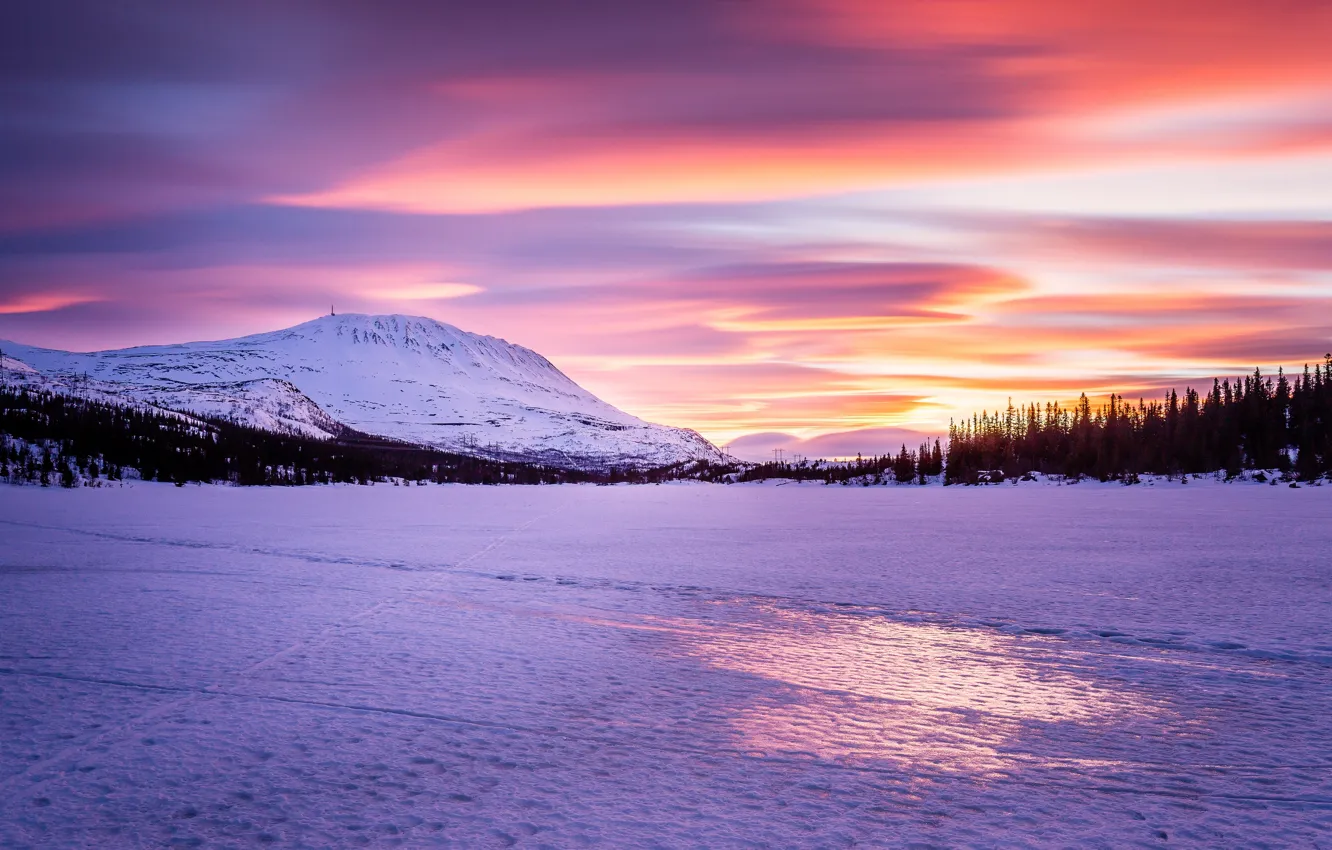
(11, 367)
(271, 404)
(403, 377)
(674, 666)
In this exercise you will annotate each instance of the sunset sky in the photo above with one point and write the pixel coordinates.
(799, 216)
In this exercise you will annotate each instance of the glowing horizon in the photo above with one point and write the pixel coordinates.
(818, 217)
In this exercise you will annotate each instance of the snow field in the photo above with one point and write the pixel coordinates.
(665, 666)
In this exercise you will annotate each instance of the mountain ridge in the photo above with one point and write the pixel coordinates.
(407, 378)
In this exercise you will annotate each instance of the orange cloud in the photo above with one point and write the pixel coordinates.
(808, 381)
(43, 302)
(697, 169)
(1222, 244)
(426, 291)
(799, 215)
(945, 89)
(1103, 50)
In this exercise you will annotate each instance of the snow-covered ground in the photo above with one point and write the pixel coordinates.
(405, 377)
(669, 666)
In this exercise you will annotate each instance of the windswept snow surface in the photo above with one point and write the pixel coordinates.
(404, 377)
(671, 666)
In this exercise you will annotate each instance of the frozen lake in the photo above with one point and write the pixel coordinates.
(666, 666)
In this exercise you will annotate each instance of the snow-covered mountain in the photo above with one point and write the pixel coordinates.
(404, 377)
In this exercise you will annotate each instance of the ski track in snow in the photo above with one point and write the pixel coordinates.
(668, 666)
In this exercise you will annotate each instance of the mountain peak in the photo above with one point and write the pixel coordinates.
(410, 378)
(382, 321)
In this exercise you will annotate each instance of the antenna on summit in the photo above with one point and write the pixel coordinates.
(331, 311)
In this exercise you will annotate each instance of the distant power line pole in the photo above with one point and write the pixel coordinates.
(778, 455)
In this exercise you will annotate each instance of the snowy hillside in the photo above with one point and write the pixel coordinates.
(404, 377)
(10, 366)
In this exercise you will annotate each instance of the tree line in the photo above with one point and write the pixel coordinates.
(53, 439)
(905, 467)
(1256, 422)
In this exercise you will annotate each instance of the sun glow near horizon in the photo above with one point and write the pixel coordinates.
(827, 217)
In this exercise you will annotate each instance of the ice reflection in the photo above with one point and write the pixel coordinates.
(873, 689)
